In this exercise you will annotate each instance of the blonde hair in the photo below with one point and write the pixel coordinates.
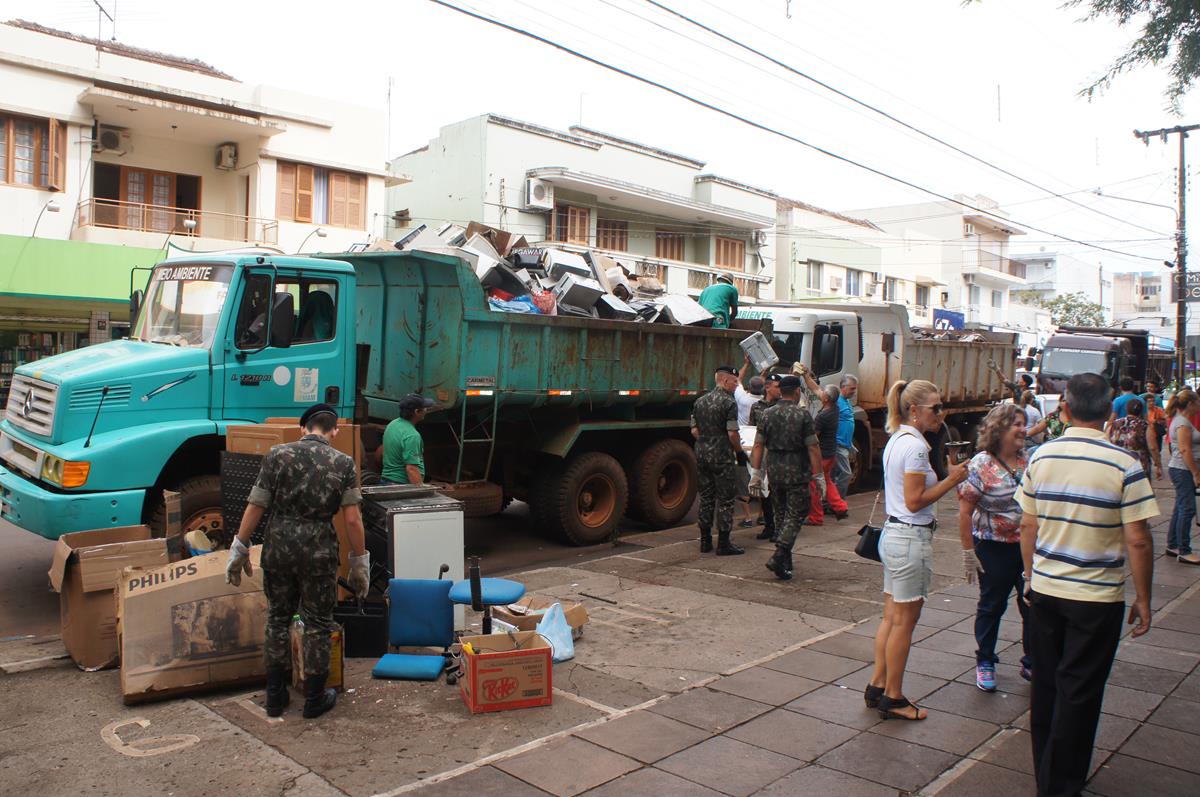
(1028, 398)
(1180, 402)
(997, 423)
(901, 398)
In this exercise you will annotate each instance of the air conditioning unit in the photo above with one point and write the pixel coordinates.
(111, 139)
(539, 194)
(227, 156)
(760, 237)
(878, 277)
(968, 228)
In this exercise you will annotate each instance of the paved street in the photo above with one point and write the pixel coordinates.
(697, 675)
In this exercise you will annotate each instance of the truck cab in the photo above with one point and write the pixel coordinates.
(91, 438)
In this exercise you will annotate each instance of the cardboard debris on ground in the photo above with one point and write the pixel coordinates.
(526, 613)
(85, 571)
(183, 630)
(507, 671)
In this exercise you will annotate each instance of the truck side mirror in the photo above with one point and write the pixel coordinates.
(283, 320)
(135, 304)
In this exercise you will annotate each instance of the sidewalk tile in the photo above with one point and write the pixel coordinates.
(1175, 640)
(1113, 731)
(482, 782)
(568, 766)
(815, 780)
(985, 780)
(938, 664)
(1190, 607)
(765, 686)
(814, 664)
(1139, 653)
(934, 616)
(916, 686)
(1178, 622)
(1178, 714)
(1014, 751)
(1122, 776)
(1148, 679)
(947, 603)
(1008, 677)
(1189, 688)
(644, 735)
(651, 781)
(1165, 746)
(712, 711)
(948, 732)
(968, 701)
(953, 642)
(792, 734)
(848, 646)
(892, 762)
(1132, 703)
(837, 705)
(1174, 574)
(729, 766)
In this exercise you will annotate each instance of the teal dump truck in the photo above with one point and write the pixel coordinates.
(585, 419)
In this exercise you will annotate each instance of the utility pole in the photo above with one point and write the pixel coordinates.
(1180, 243)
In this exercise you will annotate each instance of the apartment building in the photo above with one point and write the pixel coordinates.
(1050, 274)
(651, 209)
(110, 155)
(1142, 300)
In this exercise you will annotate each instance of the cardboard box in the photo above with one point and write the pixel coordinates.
(184, 630)
(85, 572)
(526, 613)
(507, 671)
(337, 657)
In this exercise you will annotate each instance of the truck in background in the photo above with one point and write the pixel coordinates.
(1114, 353)
(585, 419)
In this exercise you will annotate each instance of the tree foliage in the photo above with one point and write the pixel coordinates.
(1074, 310)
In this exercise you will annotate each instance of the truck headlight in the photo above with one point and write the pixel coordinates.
(65, 473)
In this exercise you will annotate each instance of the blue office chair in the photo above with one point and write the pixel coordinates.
(420, 615)
(481, 594)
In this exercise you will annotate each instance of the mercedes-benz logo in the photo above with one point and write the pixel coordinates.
(27, 407)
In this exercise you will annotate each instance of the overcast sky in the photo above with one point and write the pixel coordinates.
(998, 79)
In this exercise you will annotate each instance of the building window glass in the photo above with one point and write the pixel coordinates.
(997, 299)
(33, 152)
(731, 254)
(922, 296)
(612, 234)
(314, 195)
(891, 289)
(853, 282)
(973, 296)
(816, 276)
(668, 245)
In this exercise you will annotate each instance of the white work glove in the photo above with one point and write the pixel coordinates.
(819, 480)
(239, 561)
(756, 483)
(360, 574)
(971, 564)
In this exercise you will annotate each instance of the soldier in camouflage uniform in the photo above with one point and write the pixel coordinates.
(303, 484)
(770, 399)
(789, 437)
(715, 428)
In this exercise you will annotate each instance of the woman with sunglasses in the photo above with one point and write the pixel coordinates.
(910, 490)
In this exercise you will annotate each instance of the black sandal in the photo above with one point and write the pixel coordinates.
(871, 695)
(889, 709)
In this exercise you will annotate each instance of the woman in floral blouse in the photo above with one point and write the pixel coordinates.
(1134, 434)
(989, 525)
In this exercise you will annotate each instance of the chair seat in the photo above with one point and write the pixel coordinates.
(410, 666)
(492, 591)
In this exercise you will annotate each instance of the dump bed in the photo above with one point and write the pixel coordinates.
(429, 328)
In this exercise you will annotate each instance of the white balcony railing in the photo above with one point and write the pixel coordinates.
(138, 216)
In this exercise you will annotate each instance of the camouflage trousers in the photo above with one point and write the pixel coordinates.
(718, 483)
(304, 583)
(791, 504)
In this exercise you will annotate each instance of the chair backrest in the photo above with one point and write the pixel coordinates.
(421, 613)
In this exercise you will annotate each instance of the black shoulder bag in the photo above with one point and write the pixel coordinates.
(868, 535)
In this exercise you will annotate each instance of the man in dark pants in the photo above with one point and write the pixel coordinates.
(769, 399)
(304, 484)
(789, 438)
(715, 429)
(1085, 503)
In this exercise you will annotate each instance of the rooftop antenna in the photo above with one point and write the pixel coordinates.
(100, 14)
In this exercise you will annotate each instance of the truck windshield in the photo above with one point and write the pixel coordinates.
(183, 305)
(1068, 362)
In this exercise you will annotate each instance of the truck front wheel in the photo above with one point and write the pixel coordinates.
(200, 509)
(662, 483)
(585, 501)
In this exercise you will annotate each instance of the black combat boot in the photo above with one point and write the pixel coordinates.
(277, 690)
(780, 563)
(705, 541)
(317, 699)
(768, 531)
(727, 548)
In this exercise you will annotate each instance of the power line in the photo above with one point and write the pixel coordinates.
(765, 127)
(885, 114)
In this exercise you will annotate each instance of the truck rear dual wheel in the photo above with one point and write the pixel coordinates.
(582, 501)
(662, 484)
(200, 510)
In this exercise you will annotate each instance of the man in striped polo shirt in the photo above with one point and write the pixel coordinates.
(1085, 503)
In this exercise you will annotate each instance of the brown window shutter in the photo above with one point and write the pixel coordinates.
(356, 202)
(731, 254)
(668, 245)
(58, 155)
(304, 192)
(285, 194)
(578, 223)
(339, 188)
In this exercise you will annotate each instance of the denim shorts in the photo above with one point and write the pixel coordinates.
(907, 555)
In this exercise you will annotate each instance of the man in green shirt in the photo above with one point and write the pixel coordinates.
(403, 448)
(720, 299)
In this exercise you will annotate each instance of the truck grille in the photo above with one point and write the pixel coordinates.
(31, 404)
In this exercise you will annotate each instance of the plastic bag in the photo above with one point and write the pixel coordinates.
(519, 304)
(553, 626)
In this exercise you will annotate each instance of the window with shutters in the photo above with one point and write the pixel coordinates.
(315, 195)
(668, 244)
(731, 253)
(571, 224)
(33, 152)
(612, 234)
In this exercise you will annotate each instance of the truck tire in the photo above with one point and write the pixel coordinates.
(200, 509)
(860, 462)
(662, 484)
(586, 500)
